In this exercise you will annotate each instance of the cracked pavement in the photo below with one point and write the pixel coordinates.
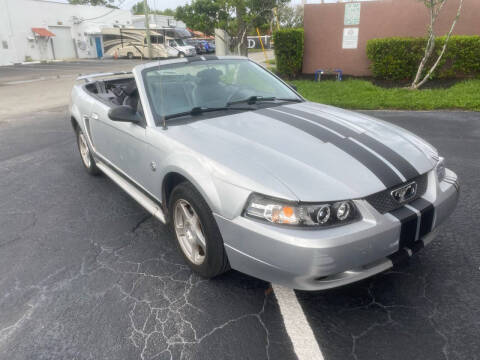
(86, 273)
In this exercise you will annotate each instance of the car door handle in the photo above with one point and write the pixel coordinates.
(95, 116)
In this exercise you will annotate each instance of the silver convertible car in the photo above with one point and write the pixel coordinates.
(250, 176)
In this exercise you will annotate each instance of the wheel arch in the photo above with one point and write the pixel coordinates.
(75, 113)
(203, 183)
(74, 122)
(170, 181)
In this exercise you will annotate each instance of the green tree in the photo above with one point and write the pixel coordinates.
(434, 7)
(167, 12)
(290, 16)
(203, 15)
(236, 17)
(139, 9)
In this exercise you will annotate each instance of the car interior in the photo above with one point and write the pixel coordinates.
(174, 93)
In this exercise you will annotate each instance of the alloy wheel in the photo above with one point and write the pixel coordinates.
(84, 150)
(190, 235)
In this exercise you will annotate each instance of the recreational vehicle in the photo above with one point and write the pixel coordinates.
(132, 43)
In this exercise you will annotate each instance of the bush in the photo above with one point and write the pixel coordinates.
(289, 51)
(398, 58)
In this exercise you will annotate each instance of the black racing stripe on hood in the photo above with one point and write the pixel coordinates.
(378, 167)
(400, 163)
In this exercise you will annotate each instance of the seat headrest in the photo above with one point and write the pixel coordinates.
(209, 76)
(131, 88)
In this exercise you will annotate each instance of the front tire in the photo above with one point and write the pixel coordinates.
(196, 232)
(86, 155)
(130, 56)
(181, 55)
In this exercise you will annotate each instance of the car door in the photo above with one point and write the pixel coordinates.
(121, 145)
(172, 50)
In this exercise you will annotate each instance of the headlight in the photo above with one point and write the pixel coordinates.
(440, 168)
(297, 214)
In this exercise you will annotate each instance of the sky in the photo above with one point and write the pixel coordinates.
(160, 4)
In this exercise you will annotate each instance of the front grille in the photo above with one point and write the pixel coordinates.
(383, 201)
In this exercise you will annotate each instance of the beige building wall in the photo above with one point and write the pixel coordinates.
(324, 28)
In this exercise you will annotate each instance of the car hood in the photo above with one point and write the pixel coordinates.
(186, 47)
(307, 151)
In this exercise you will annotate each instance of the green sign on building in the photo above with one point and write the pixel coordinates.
(352, 14)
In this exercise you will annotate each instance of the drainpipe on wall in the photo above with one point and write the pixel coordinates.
(75, 47)
(53, 49)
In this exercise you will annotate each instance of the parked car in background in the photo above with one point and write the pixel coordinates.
(199, 48)
(251, 176)
(183, 48)
(212, 45)
(208, 46)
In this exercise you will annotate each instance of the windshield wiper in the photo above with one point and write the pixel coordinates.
(198, 110)
(254, 99)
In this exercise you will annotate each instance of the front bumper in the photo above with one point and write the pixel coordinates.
(328, 258)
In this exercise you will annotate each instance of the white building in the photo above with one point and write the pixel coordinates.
(157, 22)
(46, 30)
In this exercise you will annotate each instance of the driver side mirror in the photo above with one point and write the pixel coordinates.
(294, 87)
(124, 113)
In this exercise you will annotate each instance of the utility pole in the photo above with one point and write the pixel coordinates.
(275, 14)
(147, 27)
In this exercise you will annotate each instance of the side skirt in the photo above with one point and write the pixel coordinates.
(147, 203)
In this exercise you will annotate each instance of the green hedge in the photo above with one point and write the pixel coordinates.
(398, 58)
(289, 51)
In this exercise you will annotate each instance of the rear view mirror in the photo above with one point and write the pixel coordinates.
(124, 113)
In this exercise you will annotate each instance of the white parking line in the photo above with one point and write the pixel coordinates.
(304, 343)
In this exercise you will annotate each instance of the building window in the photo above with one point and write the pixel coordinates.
(4, 44)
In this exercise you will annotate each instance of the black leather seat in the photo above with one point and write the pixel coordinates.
(210, 92)
(132, 96)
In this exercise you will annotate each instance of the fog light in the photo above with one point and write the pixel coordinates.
(343, 211)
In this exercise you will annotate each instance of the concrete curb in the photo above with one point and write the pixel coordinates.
(37, 62)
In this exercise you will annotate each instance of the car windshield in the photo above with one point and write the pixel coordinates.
(180, 87)
(179, 42)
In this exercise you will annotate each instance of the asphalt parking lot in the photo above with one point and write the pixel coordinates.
(36, 87)
(86, 273)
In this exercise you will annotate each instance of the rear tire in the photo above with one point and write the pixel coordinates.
(192, 224)
(130, 55)
(86, 155)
